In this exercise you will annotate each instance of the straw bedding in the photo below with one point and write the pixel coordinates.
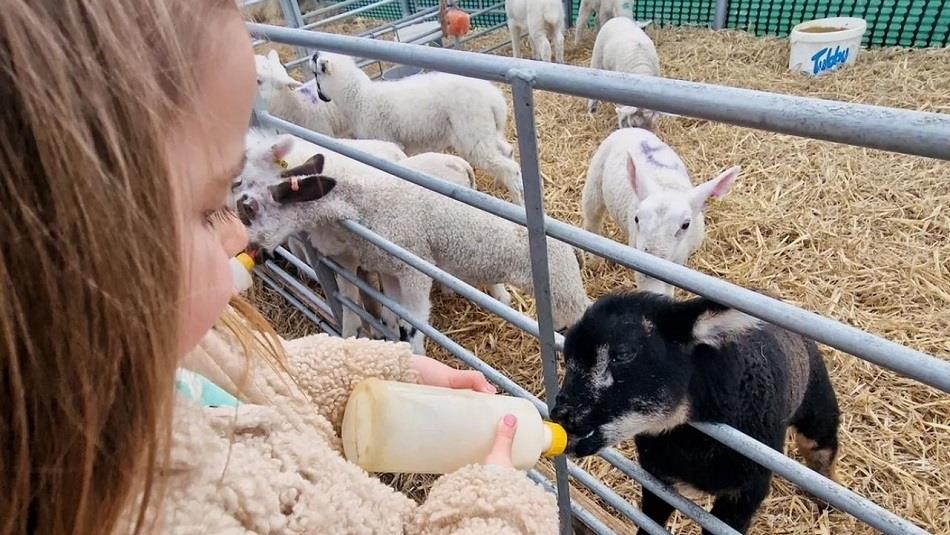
(859, 235)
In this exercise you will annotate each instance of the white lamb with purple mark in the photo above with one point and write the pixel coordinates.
(283, 96)
(645, 187)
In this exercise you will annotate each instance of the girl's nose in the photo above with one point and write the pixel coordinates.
(233, 236)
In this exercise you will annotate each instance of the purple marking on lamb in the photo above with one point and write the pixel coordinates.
(648, 151)
(309, 90)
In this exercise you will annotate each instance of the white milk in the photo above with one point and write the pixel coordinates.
(397, 427)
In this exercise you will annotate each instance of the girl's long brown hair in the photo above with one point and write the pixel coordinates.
(89, 269)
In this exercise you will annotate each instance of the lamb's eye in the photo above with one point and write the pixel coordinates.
(684, 226)
(259, 81)
(237, 183)
(636, 219)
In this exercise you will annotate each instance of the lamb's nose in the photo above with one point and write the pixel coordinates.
(247, 209)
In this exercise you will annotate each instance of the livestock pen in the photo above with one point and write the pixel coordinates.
(855, 234)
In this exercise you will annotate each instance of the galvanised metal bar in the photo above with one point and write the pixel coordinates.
(339, 5)
(628, 467)
(523, 99)
(450, 345)
(291, 12)
(605, 493)
(346, 15)
(666, 493)
(722, 11)
(298, 287)
(294, 302)
(906, 131)
(585, 516)
(482, 33)
(327, 281)
(904, 360)
(459, 286)
(401, 23)
(858, 506)
(387, 333)
(626, 508)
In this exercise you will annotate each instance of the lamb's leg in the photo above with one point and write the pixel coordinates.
(499, 292)
(583, 16)
(539, 40)
(658, 510)
(371, 305)
(596, 62)
(816, 420)
(351, 322)
(737, 508)
(558, 38)
(411, 290)
(593, 209)
(515, 32)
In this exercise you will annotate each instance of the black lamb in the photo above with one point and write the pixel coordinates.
(641, 365)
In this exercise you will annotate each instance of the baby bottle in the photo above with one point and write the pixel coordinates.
(398, 427)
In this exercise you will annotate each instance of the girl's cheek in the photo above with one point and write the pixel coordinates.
(208, 287)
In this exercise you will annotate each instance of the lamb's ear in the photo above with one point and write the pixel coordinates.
(273, 57)
(642, 184)
(716, 188)
(313, 166)
(701, 321)
(282, 147)
(301, 189)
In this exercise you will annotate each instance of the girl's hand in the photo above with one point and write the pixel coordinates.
(434, 373)
(504, 437)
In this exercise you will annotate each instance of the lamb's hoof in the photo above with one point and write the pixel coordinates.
(501, 294)
(446, 291)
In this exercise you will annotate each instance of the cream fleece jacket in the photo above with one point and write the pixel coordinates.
(277, 466)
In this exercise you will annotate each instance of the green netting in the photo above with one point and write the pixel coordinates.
(909, 23)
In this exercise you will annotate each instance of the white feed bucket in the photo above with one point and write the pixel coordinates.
(824, 45)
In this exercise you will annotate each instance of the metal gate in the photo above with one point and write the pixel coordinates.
(910, 132)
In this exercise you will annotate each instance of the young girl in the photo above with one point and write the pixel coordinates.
(123, 126)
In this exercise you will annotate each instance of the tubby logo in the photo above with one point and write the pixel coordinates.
(826, 59)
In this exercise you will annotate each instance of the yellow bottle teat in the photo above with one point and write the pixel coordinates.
(246, 261)
(558, 439)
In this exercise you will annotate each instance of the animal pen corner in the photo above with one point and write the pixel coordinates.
(918, 23)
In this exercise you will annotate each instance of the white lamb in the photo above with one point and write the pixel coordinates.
(283, 96)
(269, 154)
(623, 46)
(645, 187)
(427, 112)
(471, 244)
(293, 151)
(605, 9)
(544, 22)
